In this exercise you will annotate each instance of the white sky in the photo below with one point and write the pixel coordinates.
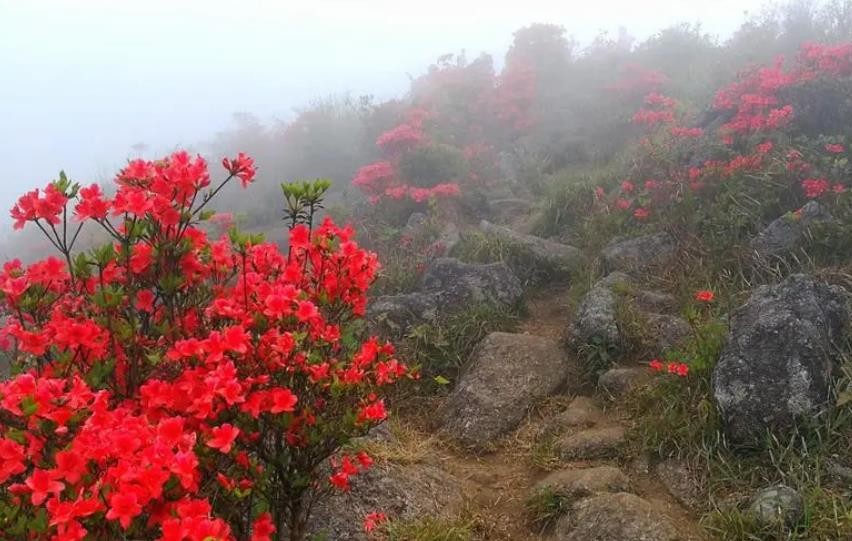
(82, 81)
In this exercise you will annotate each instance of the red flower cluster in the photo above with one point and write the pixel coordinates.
(381, 179)
(815, 187)
(165, 367)
(704, 295)
(680, 369)
(401, 138)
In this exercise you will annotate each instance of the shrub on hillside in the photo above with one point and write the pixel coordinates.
(169, 386)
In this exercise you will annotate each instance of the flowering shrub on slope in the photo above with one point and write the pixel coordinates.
(457, 108)
(169, 386)
(761, 151)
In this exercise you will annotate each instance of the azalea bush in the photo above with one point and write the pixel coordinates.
(171, 386)
(759, 157)
(445, 144)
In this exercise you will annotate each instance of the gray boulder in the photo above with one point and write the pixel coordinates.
(777, 364)
(396, 314)
(401, 492)
(596, 320)
(615, 280)
(668, 330)
(778, 505)
(619, 517)
(505, 208)
(457, 285)
(535, 257)
(786, 233)
(619, 382)
(681, 482)
(639, 253)
(507, 374)
(447, 286)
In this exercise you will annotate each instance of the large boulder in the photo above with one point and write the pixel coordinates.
(507, 374)
(400, 491)
(394, 315)
(619, 517)
(596, 321)
(639, 253)
(777, 364)
(787, 232)
(447, 286)
(535, 257)
(456, 284)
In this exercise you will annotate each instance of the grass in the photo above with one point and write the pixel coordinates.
(545, 507)
(429, 529)
(477, 247)
(441, 348)
(407, 446)
(677, 418)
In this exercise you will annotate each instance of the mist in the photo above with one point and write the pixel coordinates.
(87, 84)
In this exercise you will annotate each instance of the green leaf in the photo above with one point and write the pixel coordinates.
(99, 372)
(29, 406)
(441, 380)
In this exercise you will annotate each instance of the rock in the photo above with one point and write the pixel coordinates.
(448, 286)
(618, 517)
(618, 382)
(596, 322)
(506, 375)
(680, 482)
(582, 411)
(401, 492)
(669, 331)
(639, 253)
(396, 314)
(615, 280)
(776, 366)
(778, 505)
(458, 285)
(509, 207)
(786, 233)
(535, 257)
(592, 443)
(838, 472)
(654, 301)
(416, 221)
(576, 484)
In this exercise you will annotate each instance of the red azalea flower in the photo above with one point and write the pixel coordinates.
(373, 520)
(43, 483)
(223, 437)
(263, 528)
(124, 507)
(704, 295)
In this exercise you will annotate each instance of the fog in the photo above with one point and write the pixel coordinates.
(86, 84)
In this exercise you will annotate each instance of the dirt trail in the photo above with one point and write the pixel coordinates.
(498, 484)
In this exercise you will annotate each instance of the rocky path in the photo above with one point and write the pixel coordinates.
(569, 450)
(523, 449)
